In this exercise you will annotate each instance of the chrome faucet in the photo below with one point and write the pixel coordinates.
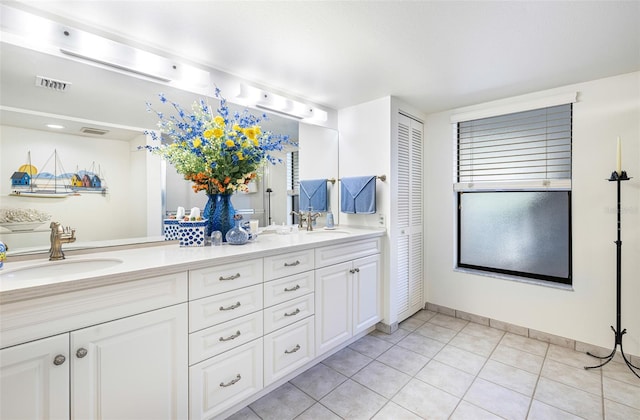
(59, 236)
(307, 218)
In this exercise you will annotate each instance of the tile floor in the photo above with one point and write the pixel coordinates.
(439, 367)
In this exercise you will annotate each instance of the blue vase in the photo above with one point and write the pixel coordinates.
(237, 235)
(219, 211)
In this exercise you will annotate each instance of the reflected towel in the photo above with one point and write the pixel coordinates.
(358, 194)
(313, 193)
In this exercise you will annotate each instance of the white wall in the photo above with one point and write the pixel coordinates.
(605, 109)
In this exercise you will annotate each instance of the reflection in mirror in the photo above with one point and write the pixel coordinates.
(132, 209)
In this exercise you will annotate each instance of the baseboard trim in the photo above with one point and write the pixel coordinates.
(529, 332)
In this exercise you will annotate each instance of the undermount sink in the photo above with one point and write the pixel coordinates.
(57, 268)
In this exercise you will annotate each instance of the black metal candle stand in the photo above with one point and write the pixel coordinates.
(618, 331)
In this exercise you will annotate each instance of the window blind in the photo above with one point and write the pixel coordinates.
(528, 145)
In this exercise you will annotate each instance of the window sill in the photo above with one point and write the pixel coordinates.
(517, 279)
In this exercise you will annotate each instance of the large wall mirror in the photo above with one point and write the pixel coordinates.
(103, 113)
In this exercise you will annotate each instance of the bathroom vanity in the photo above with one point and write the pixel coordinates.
(166, 332)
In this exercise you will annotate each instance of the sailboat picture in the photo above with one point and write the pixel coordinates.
(27, 181)
(89, 181)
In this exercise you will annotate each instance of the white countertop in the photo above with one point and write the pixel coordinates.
(53, 277)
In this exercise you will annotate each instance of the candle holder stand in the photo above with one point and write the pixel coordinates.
(618, 331)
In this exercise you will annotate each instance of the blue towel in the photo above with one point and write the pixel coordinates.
(358, 195)
(313, 193)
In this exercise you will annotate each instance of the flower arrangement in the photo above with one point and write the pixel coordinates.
(220, 153)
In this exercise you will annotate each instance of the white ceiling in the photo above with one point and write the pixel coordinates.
(435, 55)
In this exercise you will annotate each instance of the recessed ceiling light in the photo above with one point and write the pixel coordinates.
(56, 126)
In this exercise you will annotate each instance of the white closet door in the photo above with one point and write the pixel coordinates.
(408, 233)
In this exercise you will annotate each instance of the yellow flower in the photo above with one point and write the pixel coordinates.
(245, 144)
(218, 132)
(232, 134)
(229, 143)
(236, 127)
(197, 143)
(218, 120)
(255, 142)
(240, 155)
(250, 132)
(208, 133)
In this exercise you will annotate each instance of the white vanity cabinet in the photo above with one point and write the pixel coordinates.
(34, 379)
(226, 329)
(348, 291)
(289, 313)
(129, 368)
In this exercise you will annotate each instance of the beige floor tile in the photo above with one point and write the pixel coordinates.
(529, 345)
(570, 399)
(509, 377)
(467, 411)
(404, 360)
(570, 357)
(286, 402)
(498, 400)
(347, 361)
(620, 372)
(411, 324)
(420, 344)
(371, 346)
(542, 411)
(318, 381)
(353, 401)
(479, 345)
(577, 377)
(622, 392)
(392, 411)
(318, 412)
(381, 378)
(244, 414)
(394, 337)
(461, 359)
(518, 358)
(425, 400)
(450, 322)
(436, 332)
(424, 315)
(616, 411)
(446, 378)
(483, 331)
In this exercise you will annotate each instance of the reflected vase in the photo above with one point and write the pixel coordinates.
(219, 211)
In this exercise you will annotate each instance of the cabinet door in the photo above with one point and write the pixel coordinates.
(367, 295)
(334, 306)
(34, 379)
(134, 368)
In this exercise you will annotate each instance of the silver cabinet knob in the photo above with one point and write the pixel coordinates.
(81, 353)
(59, 359)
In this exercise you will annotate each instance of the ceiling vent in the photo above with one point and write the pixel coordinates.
(93, 131)
(53, 84)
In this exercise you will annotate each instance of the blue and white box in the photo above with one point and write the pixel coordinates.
(192, 233)
(171, 229)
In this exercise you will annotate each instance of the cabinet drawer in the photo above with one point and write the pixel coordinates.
(223, 381)
(223, 278)
(287, 288)
(288, 312)
(220, 338)
(288, 264)
(288, 349)
(216, 309)
(334, 254)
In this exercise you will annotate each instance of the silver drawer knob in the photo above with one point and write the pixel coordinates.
(59, 359)
(81, 353)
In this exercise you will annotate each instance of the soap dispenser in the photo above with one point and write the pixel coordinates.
(329, 220)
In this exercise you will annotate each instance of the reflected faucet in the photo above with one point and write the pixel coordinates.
(307, 218)
(59, 236)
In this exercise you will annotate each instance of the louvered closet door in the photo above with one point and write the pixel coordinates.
(408, 234)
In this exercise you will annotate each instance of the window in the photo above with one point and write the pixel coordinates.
(514, 194)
